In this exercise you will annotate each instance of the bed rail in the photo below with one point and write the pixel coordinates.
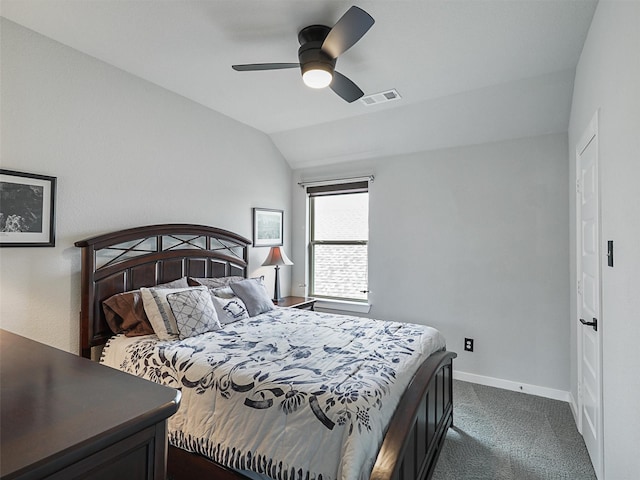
(425, 412)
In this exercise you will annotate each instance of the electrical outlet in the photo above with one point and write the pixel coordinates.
(468, 344)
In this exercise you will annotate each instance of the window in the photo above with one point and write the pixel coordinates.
(338, 249)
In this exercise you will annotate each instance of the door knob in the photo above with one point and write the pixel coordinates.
(593, 324)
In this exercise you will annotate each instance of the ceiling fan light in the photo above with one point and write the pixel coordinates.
(317, 78)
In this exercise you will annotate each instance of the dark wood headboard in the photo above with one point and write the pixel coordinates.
(146, 256)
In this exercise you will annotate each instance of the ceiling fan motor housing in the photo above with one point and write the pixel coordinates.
(310, 53)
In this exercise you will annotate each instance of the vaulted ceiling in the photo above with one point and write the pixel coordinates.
(468, 71)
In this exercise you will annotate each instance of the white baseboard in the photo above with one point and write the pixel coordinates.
(514, 386)
(574, 409)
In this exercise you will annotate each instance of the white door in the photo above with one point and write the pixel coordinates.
(589, 328)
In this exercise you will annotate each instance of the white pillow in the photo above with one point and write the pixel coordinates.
(194, 312)
(159, 311)
(230, 310)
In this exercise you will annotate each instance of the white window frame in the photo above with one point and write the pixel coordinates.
(326, 301)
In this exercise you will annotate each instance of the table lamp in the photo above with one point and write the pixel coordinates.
(277, 257)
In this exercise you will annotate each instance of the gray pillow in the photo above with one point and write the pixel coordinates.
(223, 292)
(214, 282)
(254, 295)
(179, 283)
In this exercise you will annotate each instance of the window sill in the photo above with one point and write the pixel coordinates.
(343, 306)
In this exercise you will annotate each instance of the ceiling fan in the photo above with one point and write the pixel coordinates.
(319, 49)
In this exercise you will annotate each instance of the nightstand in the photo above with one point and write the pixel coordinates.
(303, 303)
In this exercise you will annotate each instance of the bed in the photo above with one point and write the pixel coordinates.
(148, 256)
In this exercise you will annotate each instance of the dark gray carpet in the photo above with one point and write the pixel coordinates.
(504, 435)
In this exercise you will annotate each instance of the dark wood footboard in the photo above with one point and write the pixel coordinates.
(418, 428)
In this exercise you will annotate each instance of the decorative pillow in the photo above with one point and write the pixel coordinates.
(125, 313)
(194, 312)
(229, 310)
(254, 295)
(159, 311)
(214, 282)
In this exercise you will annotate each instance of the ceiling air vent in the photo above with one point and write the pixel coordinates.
(382, 97)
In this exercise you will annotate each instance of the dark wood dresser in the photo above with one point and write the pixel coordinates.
(66, 417)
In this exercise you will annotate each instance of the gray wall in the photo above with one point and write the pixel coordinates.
(126, 153)
(608, 80)
(472, 241)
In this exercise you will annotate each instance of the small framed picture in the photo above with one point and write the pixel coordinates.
(27, 209)
(267, 227)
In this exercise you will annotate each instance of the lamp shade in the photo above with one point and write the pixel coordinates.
(277, 257)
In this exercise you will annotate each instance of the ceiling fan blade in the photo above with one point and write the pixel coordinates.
(250, 67)
(345, 88)
(347, 31)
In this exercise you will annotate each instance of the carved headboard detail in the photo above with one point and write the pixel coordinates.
(146, 256)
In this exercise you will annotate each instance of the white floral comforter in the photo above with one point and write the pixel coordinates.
(289, 393)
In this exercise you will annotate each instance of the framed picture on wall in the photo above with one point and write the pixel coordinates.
(27, 209)
(267, 227)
